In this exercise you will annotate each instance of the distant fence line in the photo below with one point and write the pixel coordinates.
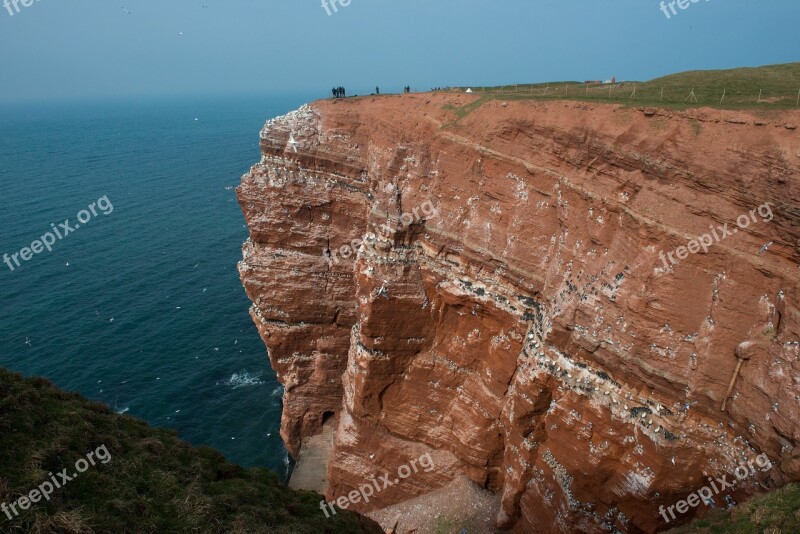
(636, 91)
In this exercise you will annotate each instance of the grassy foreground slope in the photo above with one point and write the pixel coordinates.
(154, 482)
(777, 512)
(767, 87)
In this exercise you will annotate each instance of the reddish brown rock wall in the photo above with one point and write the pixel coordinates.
(527, 334)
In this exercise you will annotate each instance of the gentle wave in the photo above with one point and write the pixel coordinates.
(244, 379)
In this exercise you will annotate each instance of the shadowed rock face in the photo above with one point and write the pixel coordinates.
(528, 334)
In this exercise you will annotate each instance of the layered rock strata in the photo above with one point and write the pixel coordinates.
(542, 332)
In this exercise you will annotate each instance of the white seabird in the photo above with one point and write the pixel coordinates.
(292, 142)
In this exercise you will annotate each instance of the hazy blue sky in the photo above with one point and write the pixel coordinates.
(70, 48)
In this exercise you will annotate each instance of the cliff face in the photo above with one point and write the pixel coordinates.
(514, 311)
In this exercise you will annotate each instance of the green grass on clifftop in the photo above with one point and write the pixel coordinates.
(154, 482)
(778, 85)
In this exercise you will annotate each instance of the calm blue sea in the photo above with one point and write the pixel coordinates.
(141, 309)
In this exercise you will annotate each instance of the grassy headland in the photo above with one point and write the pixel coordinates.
(768, 87)
(154, 482)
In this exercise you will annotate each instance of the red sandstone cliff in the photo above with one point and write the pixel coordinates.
(528, 335)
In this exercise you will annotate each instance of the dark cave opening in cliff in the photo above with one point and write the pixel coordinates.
(327, 416)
